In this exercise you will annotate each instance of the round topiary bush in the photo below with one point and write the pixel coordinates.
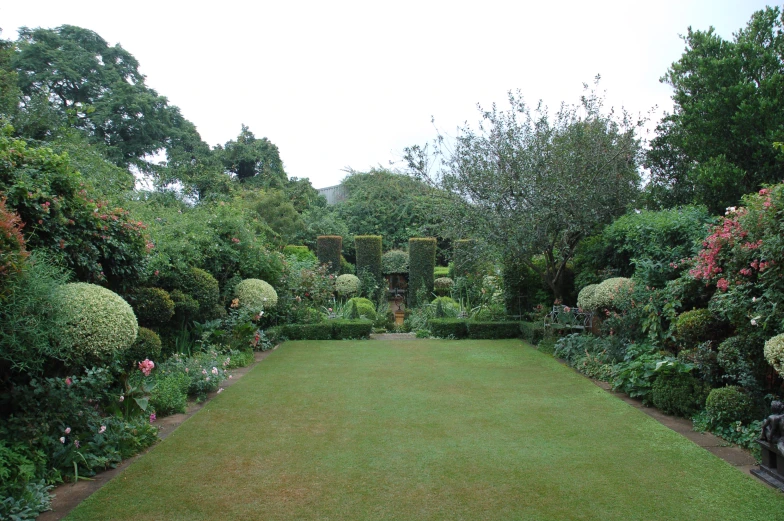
(774, 353)
(347, 285)
(585, 297)
(610, 294)
(443, 285)
(96, 323)
(152, 306)
(727, 405)
(147, 345)
(203, 287)
(255, 294)
(680, 394)
(365, 308)
(692, 327)
(394, 261)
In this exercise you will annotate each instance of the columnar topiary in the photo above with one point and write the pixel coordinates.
(422, 261)
(364, 307)
(463, 257)
(302, 253)
(585, 297)
(774, 353)
(394, 261)
(256, 295)
(96, 323)
(347, 285)
(152, 306)
(328, 248)
(443, 285)
(369, 254)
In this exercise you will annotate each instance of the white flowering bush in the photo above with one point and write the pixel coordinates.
(585, 297)
(611, 294)
(255, 294)
(774, 353)
(94, 322)
(347, 285)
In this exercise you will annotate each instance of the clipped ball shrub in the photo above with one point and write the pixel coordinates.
(203, 287)
(256, 295)
(774, 353)
(443, 285)
(153, 306)
(422, 262)
(147, 345)
(96, 323)
(328, 251)
(585, 297)
(394, 262)
(681, 394)
(368, 249)
(301, 253)
(610, 294)
(347, 285)
(727, 405)
(364, 308)
(694, 326)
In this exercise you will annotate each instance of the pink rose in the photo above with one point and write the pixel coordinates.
(146, 366)
(68, 430)
(102, 429)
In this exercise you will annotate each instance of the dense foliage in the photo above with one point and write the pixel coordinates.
(422, 261)
(329, 248)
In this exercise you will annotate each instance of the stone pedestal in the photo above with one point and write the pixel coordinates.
(400, 316)
(771, 469)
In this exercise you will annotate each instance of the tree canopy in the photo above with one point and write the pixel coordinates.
(729, 110)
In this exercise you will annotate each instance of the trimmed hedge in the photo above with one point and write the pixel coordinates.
(463, 257)
(491, 330)
(448, 327)
(368, 254)
(330, 330)
(422, 262)
(532, 332)
(320, 331)
(328, 249)
(348, 329)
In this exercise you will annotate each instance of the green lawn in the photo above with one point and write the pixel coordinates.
(418, 430)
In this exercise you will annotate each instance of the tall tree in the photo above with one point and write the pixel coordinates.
(729, 110)
(98, 87)
(254, 161)
(531, 186)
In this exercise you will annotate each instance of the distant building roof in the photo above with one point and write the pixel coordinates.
(334, 194)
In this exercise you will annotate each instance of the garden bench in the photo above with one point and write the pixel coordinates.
(565, 317)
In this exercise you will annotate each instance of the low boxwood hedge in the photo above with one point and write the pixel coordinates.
(448, 327)
(320, 331)
(348, 329)
(491, 330)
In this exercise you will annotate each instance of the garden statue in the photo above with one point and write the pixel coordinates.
(773, 426)
(771, 444)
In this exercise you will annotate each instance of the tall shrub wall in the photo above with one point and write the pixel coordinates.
(369, 254)
(329, 248)
(421, 262)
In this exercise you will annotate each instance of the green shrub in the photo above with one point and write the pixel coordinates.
(97, 324)
(444, 307)
(301, 253)
(532, 332)
(774, 353)
(441, 271)
(448, 327)
(346, 268)
(203, 287)
(186, 308)
(255, 294)
(170, 394)
(679, 393)
(727, 405)
(347, 285)
(274, 334)
(443, 285)
(585, 297)
(328, 250)
(146, 346)
(422, 261)
(350, 329)
(369, 254)
(365, 308)
(464, 258)
(320, 331)
(491, 330)
(394, 261)
(153, 306)
(12, 244)
(610, 294)
(742, 361)
(695, 326)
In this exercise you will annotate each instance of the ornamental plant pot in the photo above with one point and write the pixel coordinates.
(400, 316)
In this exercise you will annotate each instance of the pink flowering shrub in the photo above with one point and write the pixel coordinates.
(146, 366)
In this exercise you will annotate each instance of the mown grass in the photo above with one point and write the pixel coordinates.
(420, 430)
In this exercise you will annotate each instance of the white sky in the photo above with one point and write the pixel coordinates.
(350, 84)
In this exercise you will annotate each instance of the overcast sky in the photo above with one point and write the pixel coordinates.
(349, 84)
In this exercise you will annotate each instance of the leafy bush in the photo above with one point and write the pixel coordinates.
(321, 331)
(170, 395)
(444, 307)
(443, 285)
(152, 306)
(641, 365)
(491, 330)
(704, 360)
(774, 353)
(532, 332)
(448, 328)
(364, 307)
(203, 287)
(350, 329)
(368, 258)
(301, 253)
(146, 346)
(422, 261)
(97, 323)
(679, 393)
(440, 271)
(394, 261)
(256, 295)
(585, 297)
(742, 361)
(347, 285)
(12, 243)
(329, 249)
(695, 326)
(205, 371)
(464, 258)
(610, 294)
(727, 405)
